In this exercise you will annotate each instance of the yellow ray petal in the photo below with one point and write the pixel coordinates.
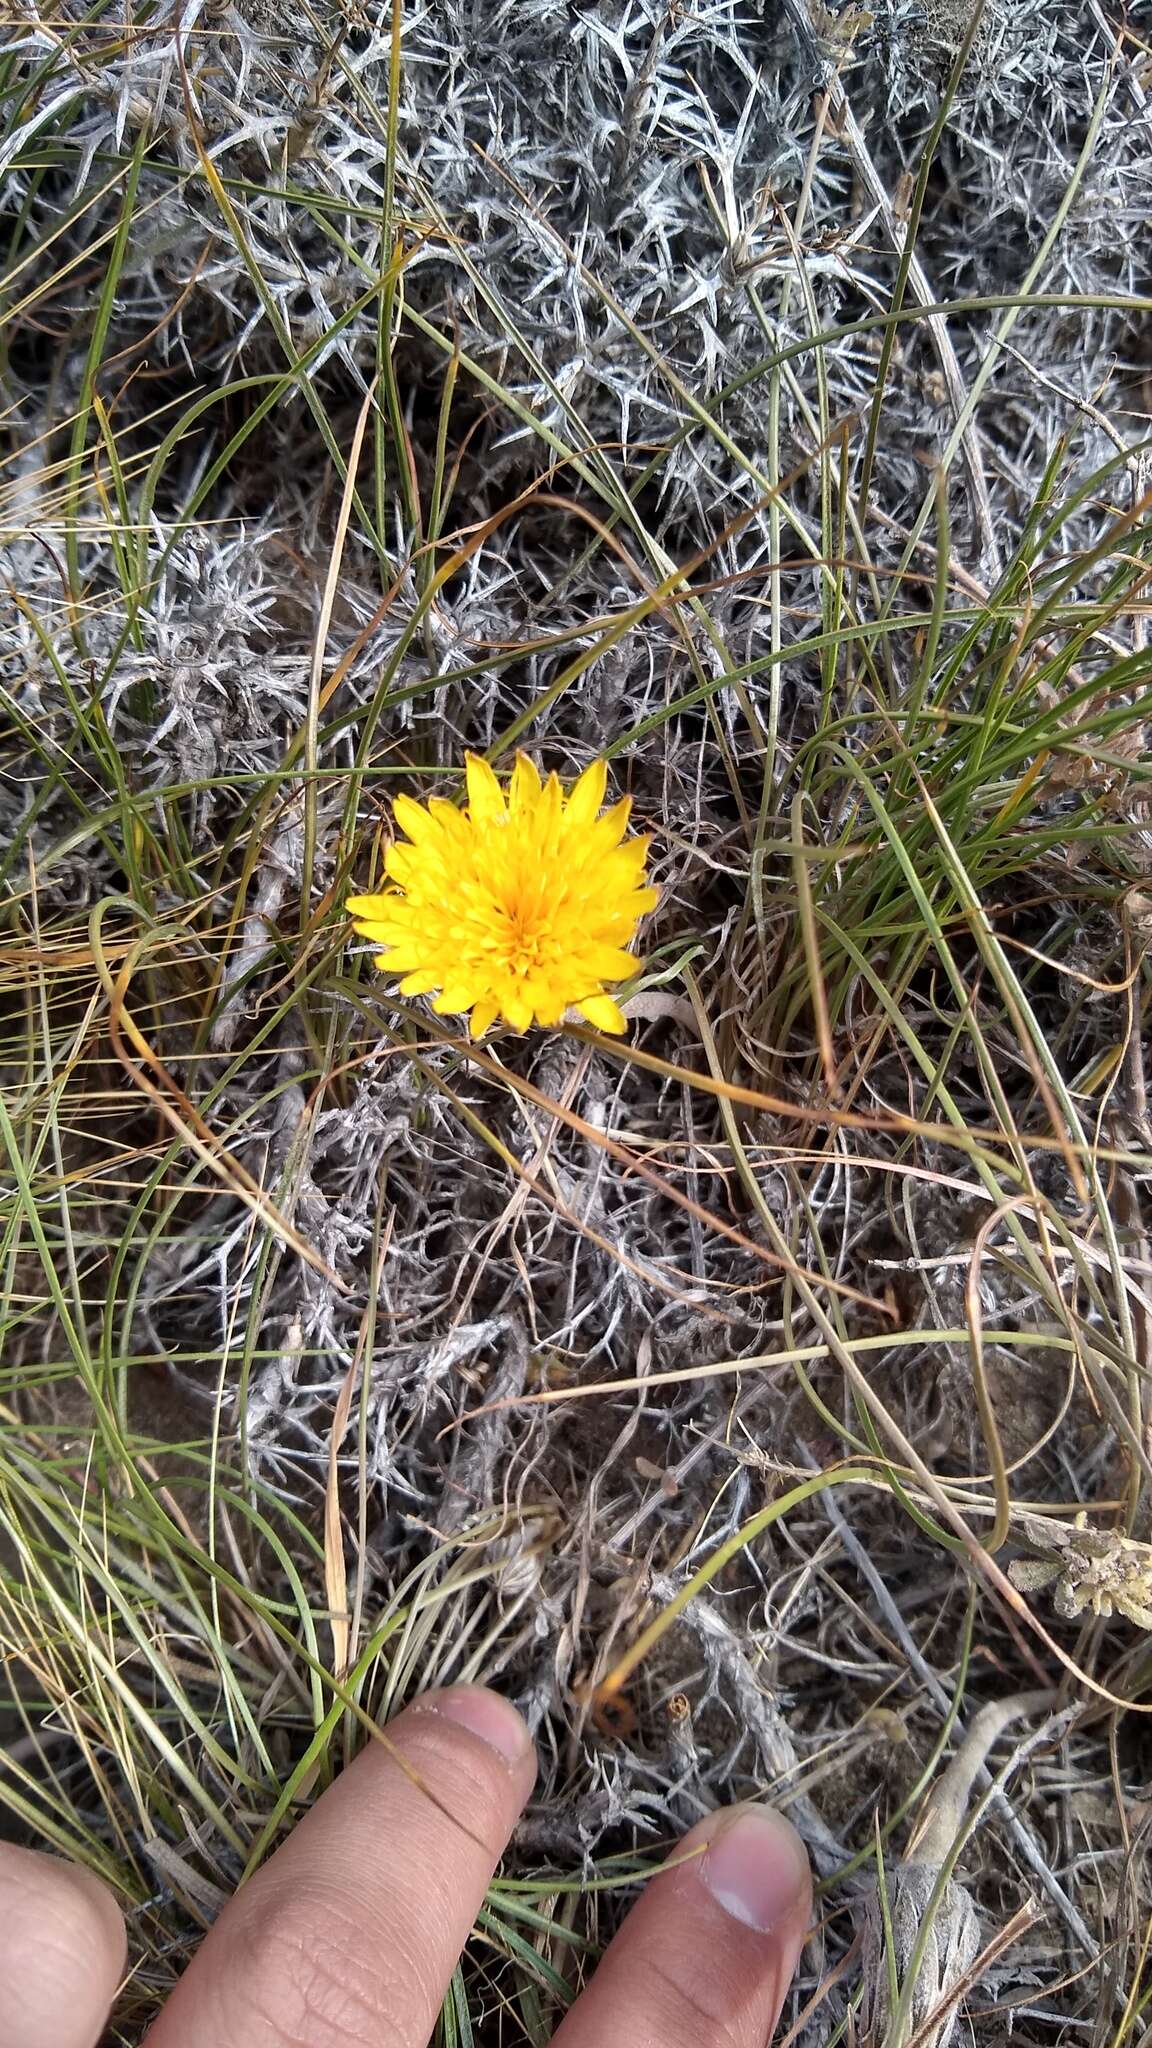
(517, 1010)
(524, 789)
(549, 1010)
(603, 1014)
(486, 803)
(401, 862)
(402, 957)
(587, 795)
(454, 825)
(607, 831)
(484, 1014)
(367, 906)
(455, 997)
(419, 824)
(610, 963)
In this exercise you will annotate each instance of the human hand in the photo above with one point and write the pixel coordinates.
(348, 1935)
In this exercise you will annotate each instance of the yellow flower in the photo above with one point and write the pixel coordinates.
(521, 906)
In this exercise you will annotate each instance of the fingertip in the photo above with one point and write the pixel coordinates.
(104, 1920)
(709, 1950)
(756, 1867)
(485, 1714)
(63, 1949)
(354, 1927)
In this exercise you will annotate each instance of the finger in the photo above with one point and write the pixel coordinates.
(705, 1957)
(62, 1952)
(349, 1934)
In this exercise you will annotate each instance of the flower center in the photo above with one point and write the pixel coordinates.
(529, 940)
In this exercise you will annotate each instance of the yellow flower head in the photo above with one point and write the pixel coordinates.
(520, 906)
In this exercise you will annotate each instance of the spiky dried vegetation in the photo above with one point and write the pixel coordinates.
(758, 395)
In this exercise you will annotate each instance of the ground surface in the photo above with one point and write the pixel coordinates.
(760, 396)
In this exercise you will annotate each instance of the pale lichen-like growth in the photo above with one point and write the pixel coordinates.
(1095, 1571)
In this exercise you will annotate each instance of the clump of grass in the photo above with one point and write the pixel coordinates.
(797, 462)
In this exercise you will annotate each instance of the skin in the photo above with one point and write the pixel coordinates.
(347, 1937)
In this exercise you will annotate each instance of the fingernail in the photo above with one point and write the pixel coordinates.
(485, 1714)
(756, 1867)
